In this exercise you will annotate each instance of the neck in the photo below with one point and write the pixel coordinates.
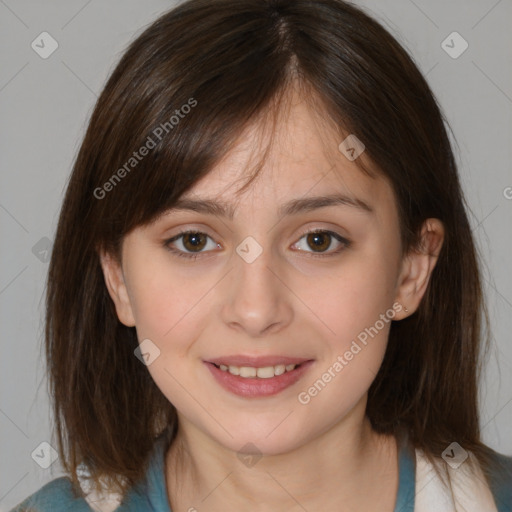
(347, 465)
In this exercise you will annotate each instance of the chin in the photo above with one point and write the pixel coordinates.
(264, 440)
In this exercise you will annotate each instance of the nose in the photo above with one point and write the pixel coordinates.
(257, 300)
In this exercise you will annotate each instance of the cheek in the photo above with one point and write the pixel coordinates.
(352, 296)
(356, 308)
(168, 305)
(169, 310)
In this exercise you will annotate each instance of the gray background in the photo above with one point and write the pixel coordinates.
(45, 104)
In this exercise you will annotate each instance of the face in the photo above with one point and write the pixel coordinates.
(263, 290)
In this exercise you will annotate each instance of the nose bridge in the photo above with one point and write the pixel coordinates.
(256, 299)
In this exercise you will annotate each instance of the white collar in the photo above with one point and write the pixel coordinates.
(470, 490)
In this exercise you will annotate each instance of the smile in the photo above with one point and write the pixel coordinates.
(257, 381)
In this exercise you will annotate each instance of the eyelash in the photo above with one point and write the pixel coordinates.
(193, 256)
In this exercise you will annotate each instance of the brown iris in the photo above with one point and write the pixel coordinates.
(320, 241)
(194, 241)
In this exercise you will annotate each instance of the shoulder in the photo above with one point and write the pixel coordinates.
(59, 495)
(56, 496)
(501, 481)
(468, 485)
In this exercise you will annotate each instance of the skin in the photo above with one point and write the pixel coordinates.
(319, 455)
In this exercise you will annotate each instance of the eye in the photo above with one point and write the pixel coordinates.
(321, 240)
(191, 240)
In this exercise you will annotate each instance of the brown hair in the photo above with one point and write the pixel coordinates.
(230, 61)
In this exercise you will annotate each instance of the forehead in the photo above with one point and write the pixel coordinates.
(296, 155)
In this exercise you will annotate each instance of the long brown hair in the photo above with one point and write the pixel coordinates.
(230, 61)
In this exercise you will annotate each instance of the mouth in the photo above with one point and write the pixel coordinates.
(257, 380)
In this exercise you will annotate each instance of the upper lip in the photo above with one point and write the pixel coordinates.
(256, 361)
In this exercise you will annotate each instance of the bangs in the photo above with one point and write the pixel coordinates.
(172, 110)
(193, 107)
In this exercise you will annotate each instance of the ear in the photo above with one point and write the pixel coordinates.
(116, 286)
(417, 267)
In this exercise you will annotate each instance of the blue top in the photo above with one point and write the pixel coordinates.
(150, 494)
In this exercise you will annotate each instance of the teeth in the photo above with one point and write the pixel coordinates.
(233, 369)
(247, 371)
(266, 372)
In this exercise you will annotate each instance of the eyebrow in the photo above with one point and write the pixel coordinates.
(293, 207)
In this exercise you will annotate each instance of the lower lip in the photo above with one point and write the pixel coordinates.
(256, 387)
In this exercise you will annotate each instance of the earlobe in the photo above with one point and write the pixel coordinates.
(116, 286)
(417, 267)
